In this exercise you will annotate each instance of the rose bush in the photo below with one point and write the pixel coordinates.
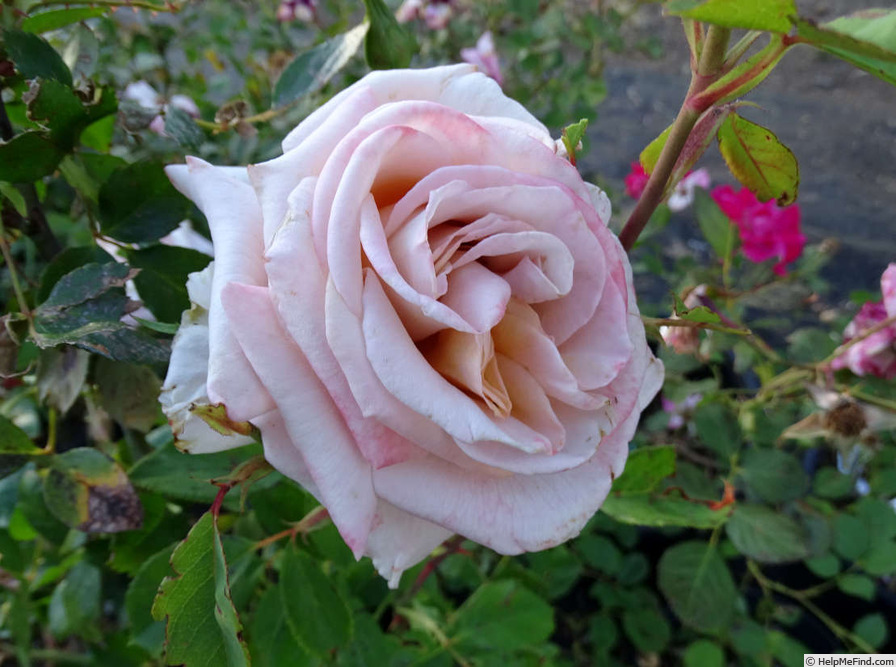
(421, 308)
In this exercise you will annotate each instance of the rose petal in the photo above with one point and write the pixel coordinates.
(315, 426)
(234, 219)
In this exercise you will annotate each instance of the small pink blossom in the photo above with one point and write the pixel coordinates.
(636, 181)
(876, 354)
(683, 194)
(147, 97)
(296, 10)
(436, 13)
(680, 413)
(766, 230)
(485, 57)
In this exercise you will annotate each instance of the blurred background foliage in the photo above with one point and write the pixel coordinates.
(755, 521)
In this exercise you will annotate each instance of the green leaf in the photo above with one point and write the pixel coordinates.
(774, 475)
(572, 135)
(864, 39)
(704, 653)
(717, 428)
(75, 603)
(771, 15)
(316, 613)
(27, 157)
(759, 160)
(162, 281)
(651, 152)
(851, 538)
(880, 560)
(504, 616)
(311, 70)
(87, 490)
(35, 58)
(388, 44)
(646, 510)
(825, 566)
(183, 129)
(698, 586)
(59, 18)
(716, 227)
(857, 585)
(600, 553)
(85, 308)
(66, 262)
(138, 204)
(148, 633)
(647, 629)
(645, 468)
(202, 627)
(270, 639)
(188, 476)
(14, 440)
(765, 535)
(129, 393)
(831, 483)
(873, 629)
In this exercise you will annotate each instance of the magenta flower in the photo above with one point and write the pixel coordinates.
(297, 10)
(484, 57)
(436, 13)
(875, 354)
(636, 181)
(766, 230)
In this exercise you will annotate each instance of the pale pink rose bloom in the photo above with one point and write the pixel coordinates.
(421, 308)
(683, 194)
(685, 340)
(409, 10)
(484, 57)
(876, 354)
(438, 15)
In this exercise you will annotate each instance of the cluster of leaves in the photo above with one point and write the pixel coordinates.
(732, 539)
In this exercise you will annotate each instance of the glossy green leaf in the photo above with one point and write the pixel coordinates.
(704, 653)
(148, 633)
(162, 281)
(202, 628)
(270, 641)
(188, 476)
(873, 629)
(85, 308)
(14, 440)
(183, 128)
(138, 204)
(851, 538)
(759, 160)
(388, 45)
(698, 585)
(59, 18)
(864, 39)
(572, 136)
(35, 58)
(716, 227)
(317, 615)
(87, 490)
(825, 566)
(66, 262)
(651, 152)
(647, 629)
(311, 70)
(774, 475)
(857, 585)
(765, 535)
(771, 15)
(503, 615)
(662, 510)
(645, 469)
(27, 157)
(75, 603)
(128, 393)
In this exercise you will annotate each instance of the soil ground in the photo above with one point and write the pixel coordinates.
(839, 121)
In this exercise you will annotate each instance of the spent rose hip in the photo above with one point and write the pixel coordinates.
(421, 308)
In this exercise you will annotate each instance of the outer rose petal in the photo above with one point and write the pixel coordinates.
(340, 473)
(185, 384)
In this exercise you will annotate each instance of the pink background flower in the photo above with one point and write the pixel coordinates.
(767, 231)
(876, 354)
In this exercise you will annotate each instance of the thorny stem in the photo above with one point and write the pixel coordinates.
(13, 274)
(801, 596)
(315, 517)
(257, 118)
(711, 59)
